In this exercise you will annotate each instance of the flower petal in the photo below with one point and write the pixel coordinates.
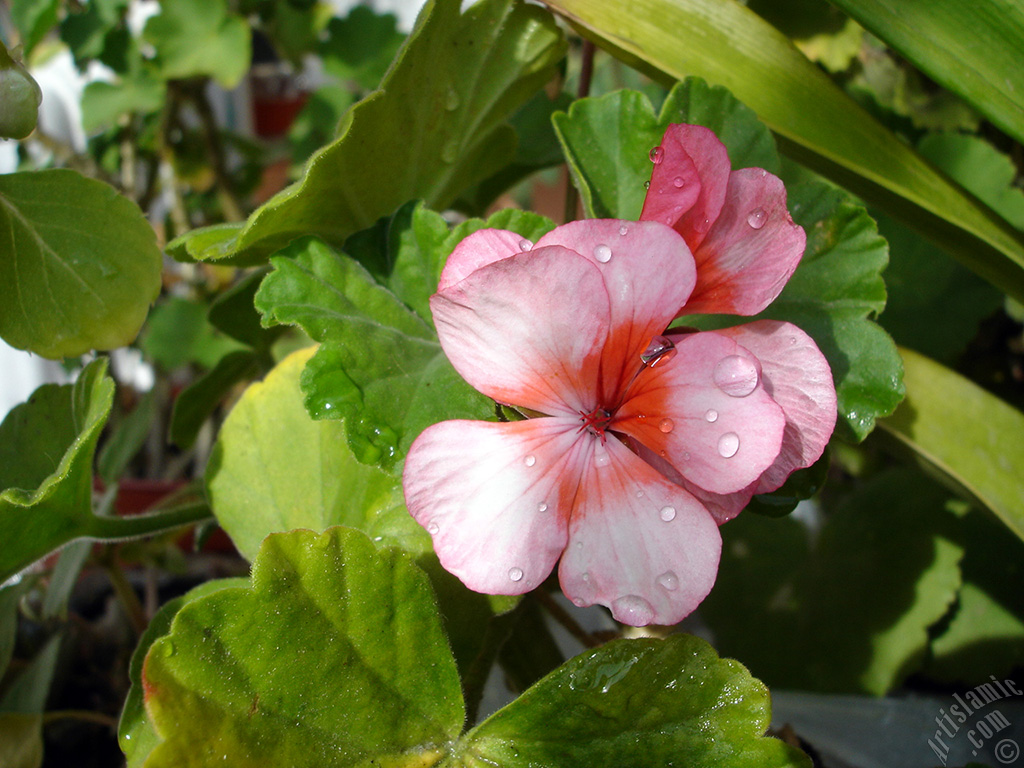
(707, 412)
(752, 248)
(799, 379)
(495, 497)
(649, 273)
(528, 330)
(688, 186)
(478, 250)
(638, 544)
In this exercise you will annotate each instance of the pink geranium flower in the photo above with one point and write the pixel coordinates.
(642, 441)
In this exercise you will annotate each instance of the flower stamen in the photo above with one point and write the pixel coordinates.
(595, 422)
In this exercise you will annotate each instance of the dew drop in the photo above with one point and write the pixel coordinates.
(647, 185)
(711, 416)
(623, 230)
(660, 350)
(601, 456)
(736, 375)
(668, 580)
(657, 154)
(633, 610)
(602, 253)
(542, 507)
(639, 494)
(586, 577)
(450, 151)
(668, 514)
(451, 102)
(579, 602)
(433, 528)
(757, 218)
(728, 444)
(515, 574)
(169, 648)
(678, 182)
(666, 425)
(525, 245)
(530, 460)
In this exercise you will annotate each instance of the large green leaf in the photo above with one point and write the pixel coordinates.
(79, 265)
(818, 124)
(848, 610)
(638, 703)
(274, 469)
(972, 49)
(200, 37)
(435, 127)
(349, 664)
(970, 437)
(607, 141)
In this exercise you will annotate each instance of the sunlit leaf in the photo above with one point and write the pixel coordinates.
(200, 37)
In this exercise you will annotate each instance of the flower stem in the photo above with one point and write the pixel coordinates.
(136, 526)
(572, 195)
(559, 614)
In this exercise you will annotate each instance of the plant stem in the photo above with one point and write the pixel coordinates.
(559, 614)
(124, 591)
(572, 195)
(215, 152)
(79, 714)
(121, 528)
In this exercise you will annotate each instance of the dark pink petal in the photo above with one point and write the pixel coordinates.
(478, 250)
(528, 330)
(688, 186)
(649, 273)
(799, 379)
(496, 498)
(638, 544)
(750, 252)
(707, 412)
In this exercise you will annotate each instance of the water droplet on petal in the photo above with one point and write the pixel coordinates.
(633, 609)
(657, 154)
(585, 577)
(433, 528)
(668, 514)
(678, 182)
(639, 494)
(711, 415)
(660, 350)
(669, 581)
(601, 456)
(530, 460)
(736, 375)
(757, 218)
(728, 444)
(623, 230)
(603, 253)
(579, 602)
(647, 185)
(704, 225)
(525, 245)
(515, 574)
(666, 425)
(542, 507)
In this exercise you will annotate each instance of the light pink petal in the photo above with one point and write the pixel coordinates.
(750, 252)
(495, 497)
(649, 273)
(799, 379)
(638, 544)
(688, 186)
(478, 250)
(707, 412)
(528, 330)
(723, 507)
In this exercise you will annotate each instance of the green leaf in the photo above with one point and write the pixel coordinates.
(849, 611)
(200, 399)
(135, 732)
(361, 46)
(200, 37)
(79, 264)
(380, 368)
(10, 596)
(275, 469)
(971, 438)
(607, 141)
(21, 740)
(87, 30)
(127, 439)
(178, 333)
(46, 453)
(28, 693)
(358, 623)
(638, 703)
(103, 104)
(816, 122)
(34, 19)
(434, 128)
(971, 49)
(19, 98)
